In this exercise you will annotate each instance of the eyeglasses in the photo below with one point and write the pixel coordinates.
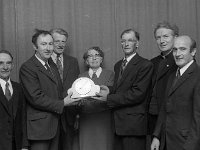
(94, 56)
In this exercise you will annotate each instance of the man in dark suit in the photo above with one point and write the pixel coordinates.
(43, 89)
(128, 96)
(178, 125)
(164, 65)
(69, 70)
(12, 108)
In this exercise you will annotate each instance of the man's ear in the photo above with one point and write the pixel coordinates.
(137, 44)
(193, 52)
(35, 47)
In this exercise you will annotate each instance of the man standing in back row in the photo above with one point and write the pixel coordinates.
(178, 125)
(43, 90)
(164, 65)
(128, 96)
(69, 71)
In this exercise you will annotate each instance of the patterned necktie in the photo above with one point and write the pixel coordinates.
(48, 68)
(7, 91)
(94, 75)
(59, 66)
(123, 66)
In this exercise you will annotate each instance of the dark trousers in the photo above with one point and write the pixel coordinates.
(130, 142)
(66, 138)
(52, 144)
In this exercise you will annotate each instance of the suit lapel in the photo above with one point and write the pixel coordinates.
(3, 100)
(66, 66)
(128, 68)
(184, 77)
(15, 98)
(165, 66)
(42, 68)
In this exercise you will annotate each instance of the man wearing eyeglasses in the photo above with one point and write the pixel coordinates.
(69, 70)
(128, 96)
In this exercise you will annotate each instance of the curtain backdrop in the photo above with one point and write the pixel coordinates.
(93, 23)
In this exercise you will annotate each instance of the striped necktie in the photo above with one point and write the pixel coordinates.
(7, 91)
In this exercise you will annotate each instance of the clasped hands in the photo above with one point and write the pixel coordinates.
(102, 96)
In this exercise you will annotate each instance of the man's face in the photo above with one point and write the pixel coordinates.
(181, 51)
(94, 60)
(129, 43)
(165, 39)
(6, 66)
(60, 42)
(45, 47)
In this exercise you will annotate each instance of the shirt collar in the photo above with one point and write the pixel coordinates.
(54, 57)
(3, 83)
(166, 55)
(184, 68)
(98, 72)
(40, 60)
(129, 58)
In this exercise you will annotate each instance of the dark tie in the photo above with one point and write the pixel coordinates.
(94, 75)
(123, 66)
(59, 66)
(177, 76)
(48, 68)
(7, 91)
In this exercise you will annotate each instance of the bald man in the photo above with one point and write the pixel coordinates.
(178, 125)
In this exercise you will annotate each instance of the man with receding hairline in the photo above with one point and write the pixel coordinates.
(178, 125)
(13, 134)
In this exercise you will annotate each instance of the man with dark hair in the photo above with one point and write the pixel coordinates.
(43, 89)
(69, 70)
(12, 108)
(164, 65)
(178, 125)
(128, 96)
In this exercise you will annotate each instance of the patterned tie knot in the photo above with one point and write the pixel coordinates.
(7, 91)
(124, 64)
(59, 66)
(94, 75)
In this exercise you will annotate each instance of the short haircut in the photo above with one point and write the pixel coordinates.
(96, 48)
(193, 44)
(167, 25)
(137, 35)
(60, 31)
(6, 52)
(37, 34)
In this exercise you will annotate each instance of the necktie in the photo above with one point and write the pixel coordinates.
(94, 75)
(177, 77)
(123, 66)
(59, 66)
(7, 91)
(48, 68)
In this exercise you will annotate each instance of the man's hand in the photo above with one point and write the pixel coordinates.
(68, 101)
(102, 95)
(155, 144)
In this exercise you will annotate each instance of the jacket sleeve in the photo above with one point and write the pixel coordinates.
(35, 95)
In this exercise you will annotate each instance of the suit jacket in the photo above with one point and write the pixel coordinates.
(179, 119)
(162, 69)
(70, 74)
(128, 96)
(43, 92)
(13, 121)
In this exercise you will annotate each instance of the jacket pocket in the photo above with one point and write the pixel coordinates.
(37, 116)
